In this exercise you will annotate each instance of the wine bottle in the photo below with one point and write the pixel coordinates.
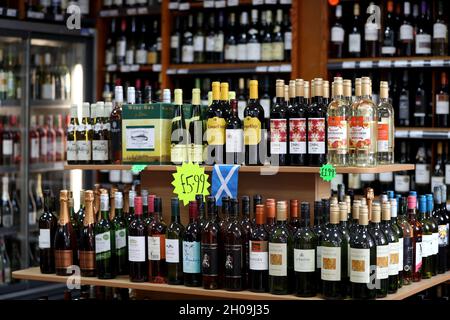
(447, 217)
(385, 138)
(345, 251)
(279, 127)
(423, 32)
(210, 247)
(337, 35)
(440, 32)
(398, 232)
(191, 249)
(280, 254)
(196, 130)
(116, 126)
(174, 246)
(202, 218)
(121, 234)
(131, 207)
(105, 242)
(257, 199)
(416, 240)
(435, 234)
(178, 150)
(47, 228)
(270, 216)
(64, 238)
(71, 153)
(442, 103)
(234, 253)
(297, 125)
(353, 225)
(354, 36)
(317, 127)
(319, 230)
(305, 246)
(87, 238)
(393, 247)
(408, 245)
(406, 32)
(234, 136)
(156, 237)
(259, 255)
(187, 49)
(137, 244)
(216, 123)
(427, 239)
(388, 47)
(84, 137)
(247, 227)
(294, 221)
(442, 227)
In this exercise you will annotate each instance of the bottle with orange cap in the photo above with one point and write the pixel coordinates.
(259, 254)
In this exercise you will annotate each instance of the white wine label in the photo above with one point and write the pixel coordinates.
(337, 135)
(388, 50)
(418, 251)
(196, 153)
(154, 248)
(406, 32)
(368, 177)
(319, 257)
(402, 183)
(178, 153)
(435, 243)
(230, 52)
(400, 254)
(304, 260)
(121, 238)
(386, 177)
(218, 43)
(266, 52)
(288, 40)
(370, 32)
(422, 173)
(278, 136)
(48, 91)
(382, 262)
(44, 238)
(337, 34)
(442, 104)
(436, 181)
(7, 147)
(253, 51)
(136, 249)
(278, 259)
(331, 264)
(210, 45)
(100, 150)
(141, 56)
(278, 51)
(393, 258)
(191, 257)
(440, 31)
(360, 265)
(84, 150)
(187, 55)
(103, 242)
(129, 57)
(259, 257)
(427, 243)
(447, 174)
(423, 44)
(199, 43)
(174, 42)
(241, 52)
(234, 140)
(121, 47)
(71, 150)
(172, 251)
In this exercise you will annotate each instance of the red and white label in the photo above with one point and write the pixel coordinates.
(337, 134)
(297, 136)
(360, 132)
(383, 137)
(316, 135)
(278, 136)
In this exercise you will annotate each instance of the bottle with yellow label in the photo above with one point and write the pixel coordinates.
(196, 130)
(216, 118)
(254, 128)
(178, 149)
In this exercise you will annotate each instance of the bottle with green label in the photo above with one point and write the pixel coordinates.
(191, 249)
(105, 242)
(121, 233)
(174, 246)
(196, 130)
(178, 148)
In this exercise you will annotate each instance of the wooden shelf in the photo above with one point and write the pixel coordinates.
(190, 292)
(388, 62)
(220, 68)
(133, 68)
(422, 133)
(252, 169)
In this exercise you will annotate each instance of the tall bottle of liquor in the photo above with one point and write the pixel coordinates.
(406, 32)
(209, 247)
(337, 35)
(234, 136)
(440, 32)
(47, 228)
(338, 115)
(434, 234)
(297, 126)
(259, 255)
(362, 256)
(385, 115)
(279, 126)
(174, 248)
(442, 103)
(317, 127)
(86, 247)
(64, 238)
(443, 230)
(105, 242)
(354, 36)
(427, 239)
(388, 47)
(196, 130)
(422, 173)
(437, 178)
(254, 128)
(116, 127)
(363, 127)
(191, 249)
(234, 261)
(156, 231)
(408, 235)
(423, 32)
(137, 243)
(280, 254)
(305, 245)
(120, 231)
(382, 249)
(178, 149)
(215, 128)
(416, 239)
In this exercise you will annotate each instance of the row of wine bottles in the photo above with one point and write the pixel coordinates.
(359, 248)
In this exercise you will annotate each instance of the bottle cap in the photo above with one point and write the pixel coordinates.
(412, 202)
(376, 212)
(118, 94)
(259, 215)
(167, 98)
(151, 203)
(137, 205)
(334, 213)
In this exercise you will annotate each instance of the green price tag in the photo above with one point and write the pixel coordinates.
(190, 180)
(327, 172)
(137, 168)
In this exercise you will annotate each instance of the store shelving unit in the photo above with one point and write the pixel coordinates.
(423, 133)
(387, 63)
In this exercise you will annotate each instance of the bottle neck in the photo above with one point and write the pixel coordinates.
(119, 212)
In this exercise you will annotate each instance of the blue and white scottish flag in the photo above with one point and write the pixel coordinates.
(224, 182)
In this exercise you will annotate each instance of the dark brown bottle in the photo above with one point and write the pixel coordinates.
(137, 245)
(234, 249)
(156, 238)
(87, 238)
(259, 254)
(64, 256)
(47, 228)
(247, 227)
(317, 127)
(210, 247)
(116, 127)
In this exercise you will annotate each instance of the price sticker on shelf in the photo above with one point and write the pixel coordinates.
(220, 3)
(417, 63)
(11, 13)
(232, 3)
(366, 64)
(190, 180)
(143, 10)
(208, 4)
(137, 168)
(327, 172)
(437, 63)
(184, 6)
(173, 5)
(384, 63)
(401, 63)
(131, 11)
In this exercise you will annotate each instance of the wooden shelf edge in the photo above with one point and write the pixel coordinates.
(430, 58)
(123, 282)
(253, 169)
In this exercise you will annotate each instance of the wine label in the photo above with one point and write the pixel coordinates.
(242, 104)
(278, 51)
(266, 52)
(368, 177)
(230, 52)
(370, 32)
(382, 262)
(172, 251)
(100, 150)
(129, 57)
(354, 43)
(406, 32)
(400, 254)
(360, 265)
(422, 173)
(178, 153)
(288, 40)
(443, 235)
(218, 42)
(84, 150)
(440, 31)
(331, 264)
(427, 245)
(297, 135)
(121, 238)
(48, 91)
(242, 52)
(234, 142)
(210, 259)
(408, 251)
(210, 43)
(265, 104)
(388, 50)
(304, 260)
(252, 131)
(383, 135)
(44, 238)
(233, 261)
(196, 153)
(337, 135)
(254, 51)
(215, 131)
(278, 136)
(402, 183)
(259, 256)
(121, 47)
(199, 43)
(137, 138)
(7, 147)
(175, 42)
(87, 260)
(337, 34)
(423, 44)
(442, 104)
(141, 56)
(71, 150)
(386, 177)
(360, 133)
(436, 181)
(319, 257)
(278, 259)
(418, 255)
(403, 107)
(187, 55)
(316, 135)
(435, 249)
(136, 249)
(103, 242)
(191, 257)
(43, 145)
(63, 259)
(156, 247)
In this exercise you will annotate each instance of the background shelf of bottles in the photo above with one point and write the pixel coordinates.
(387, 63)
(237, 68)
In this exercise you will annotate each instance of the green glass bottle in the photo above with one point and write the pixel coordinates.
(105, 242)
(427, 239)
(399, 234)
(121, 232)
(393, 245)
(435, 234)
(345, 253)
(280, 253)
(174, 246)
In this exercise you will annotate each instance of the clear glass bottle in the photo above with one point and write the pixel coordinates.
(385, 115)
